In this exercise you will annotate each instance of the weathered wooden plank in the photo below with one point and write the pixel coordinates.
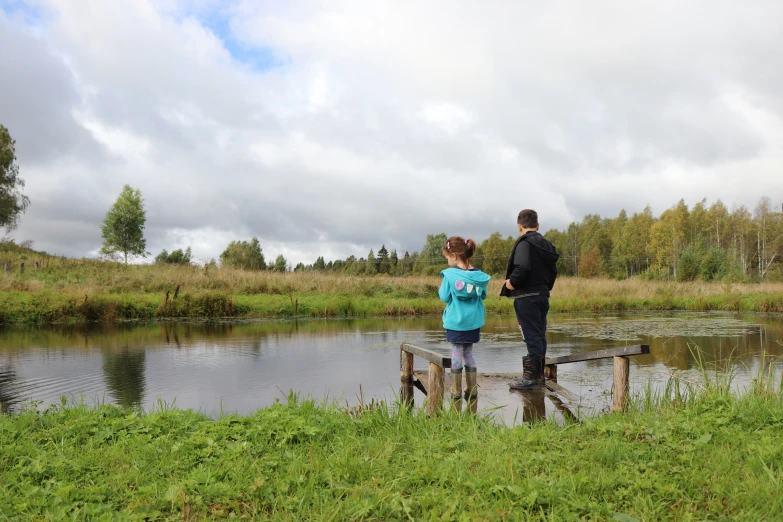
(435, 389)
(556, 388)
(621, 384)
(623, 351)
(406, 378)
(406, 366)
(432, 356)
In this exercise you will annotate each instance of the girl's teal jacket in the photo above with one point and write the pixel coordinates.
(464, 292)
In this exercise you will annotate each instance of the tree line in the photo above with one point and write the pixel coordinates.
(706, 242)
(703, 242)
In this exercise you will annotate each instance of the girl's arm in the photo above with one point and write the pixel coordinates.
(443, 292)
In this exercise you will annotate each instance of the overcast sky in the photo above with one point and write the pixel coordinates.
(332, 127)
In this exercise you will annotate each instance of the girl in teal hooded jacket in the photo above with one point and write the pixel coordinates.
(463, 289)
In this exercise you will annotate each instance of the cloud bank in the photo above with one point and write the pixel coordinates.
(329, 128)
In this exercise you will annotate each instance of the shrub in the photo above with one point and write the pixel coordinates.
(689, 266)
(714, 264)
(177, 257)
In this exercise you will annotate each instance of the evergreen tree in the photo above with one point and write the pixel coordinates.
(393, 261)
(383, 260)
(371, 267)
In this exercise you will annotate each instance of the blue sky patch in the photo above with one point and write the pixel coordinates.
(16, 9)
(259, 59)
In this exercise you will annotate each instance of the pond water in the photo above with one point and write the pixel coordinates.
(222, 368)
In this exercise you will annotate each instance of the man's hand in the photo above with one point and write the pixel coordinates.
(507, 284)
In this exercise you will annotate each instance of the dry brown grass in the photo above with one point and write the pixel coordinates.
(98, 277)
(575, 288)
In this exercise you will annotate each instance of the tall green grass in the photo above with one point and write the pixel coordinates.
(712, 456)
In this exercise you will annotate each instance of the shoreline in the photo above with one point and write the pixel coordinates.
(53, 307)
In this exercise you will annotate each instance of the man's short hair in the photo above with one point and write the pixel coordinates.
(528, 218)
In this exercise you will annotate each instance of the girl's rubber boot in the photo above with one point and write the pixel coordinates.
(532, 374)
(456, 389)
(471, 390)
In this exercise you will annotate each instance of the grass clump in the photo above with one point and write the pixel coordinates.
(714, 456)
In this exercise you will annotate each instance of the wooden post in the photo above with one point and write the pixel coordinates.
(21, 268)
(621, 383)
(434, 389)
(406, 378)
(7, 268)
(550, 372)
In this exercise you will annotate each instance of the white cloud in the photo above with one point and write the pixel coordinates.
(329, 128)
(124, 144)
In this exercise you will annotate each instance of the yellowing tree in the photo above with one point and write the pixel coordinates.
(590, 263)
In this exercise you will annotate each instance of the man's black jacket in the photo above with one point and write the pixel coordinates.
(532, 266)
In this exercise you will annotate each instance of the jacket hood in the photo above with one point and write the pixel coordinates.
(466, 284)
(543, 246)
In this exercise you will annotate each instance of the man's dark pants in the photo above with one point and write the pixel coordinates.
(531, 316)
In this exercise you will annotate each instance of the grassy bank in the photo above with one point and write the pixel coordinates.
(68, 290)
(713, 457)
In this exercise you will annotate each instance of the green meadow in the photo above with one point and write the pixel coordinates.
(701, 455)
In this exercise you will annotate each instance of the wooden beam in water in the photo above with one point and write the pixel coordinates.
(556, 388)
(624, 351)
(444, 361)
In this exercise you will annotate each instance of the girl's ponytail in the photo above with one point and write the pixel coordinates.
(470, 248)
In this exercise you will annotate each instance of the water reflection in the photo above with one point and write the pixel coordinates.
(124, 373)
(8, 397)
(534, 409)
(229, 367)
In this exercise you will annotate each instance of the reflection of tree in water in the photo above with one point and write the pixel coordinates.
(8, 396)
(124, 374)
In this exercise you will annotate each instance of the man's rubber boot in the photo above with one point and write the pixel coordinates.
(456, 389)
(532, 374)
(471, 390)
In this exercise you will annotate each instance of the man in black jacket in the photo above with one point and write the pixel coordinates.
(530, 276)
